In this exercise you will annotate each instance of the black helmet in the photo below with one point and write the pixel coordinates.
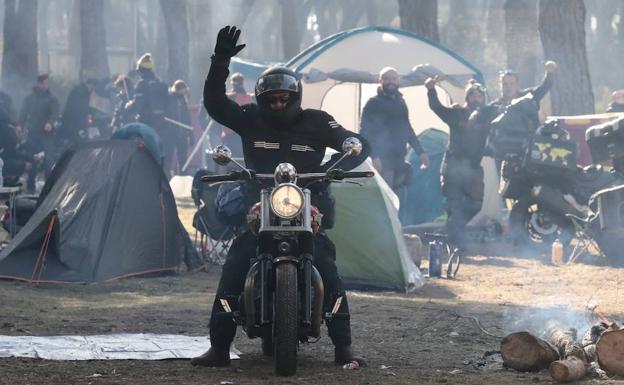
(279, 79)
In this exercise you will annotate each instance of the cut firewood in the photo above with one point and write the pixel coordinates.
(610, 352)
(565, 342)
(590, 338)
(525, 352)
(570, 369)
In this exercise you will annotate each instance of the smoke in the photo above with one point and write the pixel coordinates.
(537, 320)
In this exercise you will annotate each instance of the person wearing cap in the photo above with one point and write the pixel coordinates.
(617, 102)
(461, 173)
(385, 124)
(149, 103)
(178, 110)
(275, 130)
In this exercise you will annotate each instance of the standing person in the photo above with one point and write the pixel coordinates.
(273, 131)
(509, 89)
(239, 95)
(386, 126)
(38, 115)
(178, 110)
(461, 171)
(76, 112)
(149, 104)
(124, 93)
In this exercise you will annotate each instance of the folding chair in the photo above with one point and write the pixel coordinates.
(584, 237)
(212, 237)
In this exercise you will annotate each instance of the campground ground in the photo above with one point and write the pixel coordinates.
(426, 337)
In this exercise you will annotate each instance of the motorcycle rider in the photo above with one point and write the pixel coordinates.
(461, 171)
(275, 130)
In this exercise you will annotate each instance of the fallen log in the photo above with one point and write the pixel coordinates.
(570, 369)
(610, 351)
(525, 352)
(590, 338)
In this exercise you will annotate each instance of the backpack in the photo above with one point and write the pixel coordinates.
(231, 204)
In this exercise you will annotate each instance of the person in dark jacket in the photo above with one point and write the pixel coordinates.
(124, 92)
(385, 124)
(273, 131)
(461, 171)
(37, 117)
(509, 89)
(16, 160)
(76, 112)
(178, 110)
(150, 101)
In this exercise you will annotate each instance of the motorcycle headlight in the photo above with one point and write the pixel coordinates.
(287, 201)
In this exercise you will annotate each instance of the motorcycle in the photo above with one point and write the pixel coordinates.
(540, 175)
(282, 299)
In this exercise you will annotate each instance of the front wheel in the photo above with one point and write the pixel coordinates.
(537, 226)
(285, 319)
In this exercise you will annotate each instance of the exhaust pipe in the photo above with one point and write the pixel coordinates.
(317, 307)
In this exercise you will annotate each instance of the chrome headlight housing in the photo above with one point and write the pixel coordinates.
(287, 201)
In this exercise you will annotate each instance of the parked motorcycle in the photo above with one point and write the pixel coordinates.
(282, 299)
(541, 176)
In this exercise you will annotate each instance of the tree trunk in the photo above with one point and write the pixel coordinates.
(176, 22)
(20, 55)
(352, 12)
(371, 12)
(522, 39)
(291, 36)
(525, 352)
(93, 55)
(420, 17)
(562, 30)
(200, 27)
(462, 34)
(43, 27)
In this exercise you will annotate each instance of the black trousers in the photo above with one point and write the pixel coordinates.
(462, 185)
(223, 329)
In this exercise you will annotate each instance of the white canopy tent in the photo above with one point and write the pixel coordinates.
(351, 61)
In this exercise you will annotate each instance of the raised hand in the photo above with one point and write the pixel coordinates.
(226, 42)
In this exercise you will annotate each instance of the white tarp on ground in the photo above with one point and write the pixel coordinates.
(107, 347)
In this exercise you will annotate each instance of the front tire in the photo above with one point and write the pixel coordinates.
(285, 319)
(537, 227)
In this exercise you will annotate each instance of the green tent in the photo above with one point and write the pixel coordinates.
(371, 252)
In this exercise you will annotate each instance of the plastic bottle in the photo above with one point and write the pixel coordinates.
(353, 365)
(435, 255)
(556, 255)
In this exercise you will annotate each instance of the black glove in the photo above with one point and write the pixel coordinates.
(226, 42)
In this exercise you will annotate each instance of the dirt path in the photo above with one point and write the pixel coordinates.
(427, 337)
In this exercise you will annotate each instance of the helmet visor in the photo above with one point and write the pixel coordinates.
(277, 82)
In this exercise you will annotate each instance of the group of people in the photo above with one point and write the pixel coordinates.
(33, 140)
(385, 124)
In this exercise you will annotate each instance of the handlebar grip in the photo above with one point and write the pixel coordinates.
(234, 176)
(359, 174)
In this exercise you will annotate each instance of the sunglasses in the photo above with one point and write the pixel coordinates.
(278, 99)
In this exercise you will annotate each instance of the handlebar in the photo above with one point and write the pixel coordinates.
(335, 174)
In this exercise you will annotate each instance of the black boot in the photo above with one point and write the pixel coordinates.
(213, 357)
(344, 355)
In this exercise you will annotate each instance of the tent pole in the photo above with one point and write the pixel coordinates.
(198, 145)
